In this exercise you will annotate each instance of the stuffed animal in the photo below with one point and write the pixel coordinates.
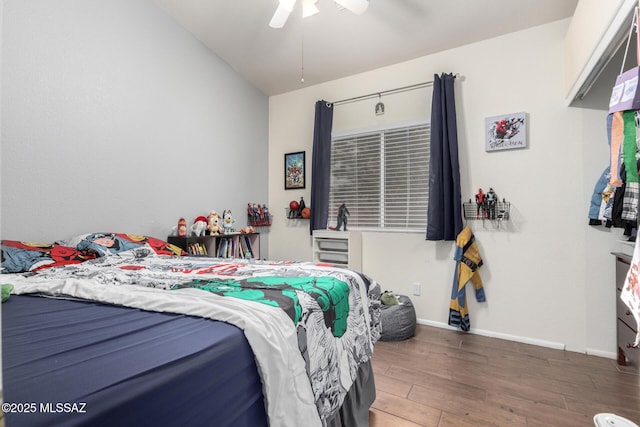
(227, 221)
(213, 223)
(199, 226)
(180, 229)
(388, 298)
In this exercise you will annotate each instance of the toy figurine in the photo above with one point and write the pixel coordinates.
(301, 206)
(213, 223)
(250, 213)
(182, 227)
(199, 226)
(480, 208)
(343, 212)
(490, 199)
(227, 221)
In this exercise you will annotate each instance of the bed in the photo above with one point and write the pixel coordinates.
(121, 329)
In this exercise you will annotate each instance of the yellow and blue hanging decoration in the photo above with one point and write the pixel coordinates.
(468, 263)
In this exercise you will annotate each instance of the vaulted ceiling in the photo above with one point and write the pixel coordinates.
(336, 43)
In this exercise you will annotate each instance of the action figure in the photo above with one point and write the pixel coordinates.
(480, 207)
(301, 206)
(490, 199)
(343, 212)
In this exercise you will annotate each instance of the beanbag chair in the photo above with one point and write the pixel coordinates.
(398, 321)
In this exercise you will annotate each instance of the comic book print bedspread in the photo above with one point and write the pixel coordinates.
(333, 313)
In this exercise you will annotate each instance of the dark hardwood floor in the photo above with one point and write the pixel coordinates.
(442, 377)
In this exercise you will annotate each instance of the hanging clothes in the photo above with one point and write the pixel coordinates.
(468, 263)
(601, 204)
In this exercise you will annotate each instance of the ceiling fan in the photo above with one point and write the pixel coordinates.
(309, 8)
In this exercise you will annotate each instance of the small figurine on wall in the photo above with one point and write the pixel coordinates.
(227, 221)
(199, 226)
(480, 208)
(213, 223)
(301, 206)
(343, 212)
(491, 199)
(258, 215)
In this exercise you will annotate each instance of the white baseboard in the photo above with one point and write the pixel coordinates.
(600, 353)
(516, 338)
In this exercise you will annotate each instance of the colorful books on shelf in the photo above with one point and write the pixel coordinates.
(235, 246)
(197, 248)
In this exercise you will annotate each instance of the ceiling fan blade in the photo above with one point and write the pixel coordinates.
(356, 6)
(280, 16)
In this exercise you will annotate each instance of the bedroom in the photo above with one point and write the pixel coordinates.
(135, 125)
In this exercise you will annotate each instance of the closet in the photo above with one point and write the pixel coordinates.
(594, 50)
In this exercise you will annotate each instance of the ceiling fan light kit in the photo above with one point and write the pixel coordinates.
(309, 8)
(285, 7)
(356, 6)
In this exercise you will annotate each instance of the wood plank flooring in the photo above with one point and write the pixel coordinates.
(442, 378)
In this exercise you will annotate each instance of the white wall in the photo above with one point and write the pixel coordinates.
(549, 277)
(115, 118)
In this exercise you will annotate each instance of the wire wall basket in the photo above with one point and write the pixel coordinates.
(496, 211)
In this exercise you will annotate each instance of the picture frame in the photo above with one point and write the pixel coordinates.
(506, 132)
(294, 170)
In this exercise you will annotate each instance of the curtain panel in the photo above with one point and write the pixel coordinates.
(321, 166)
(444, 221)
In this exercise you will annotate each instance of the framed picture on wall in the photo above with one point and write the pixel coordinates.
(506, 132)
(294, 170)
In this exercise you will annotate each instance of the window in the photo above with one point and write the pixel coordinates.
(382, 176)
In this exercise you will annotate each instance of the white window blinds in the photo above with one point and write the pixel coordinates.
(382, 177)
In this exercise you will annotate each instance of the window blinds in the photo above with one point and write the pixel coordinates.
(382, 177)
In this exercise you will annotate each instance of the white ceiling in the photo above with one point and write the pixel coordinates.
(338, 43)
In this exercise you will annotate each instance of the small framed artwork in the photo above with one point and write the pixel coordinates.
(506, 132)
(294, 170)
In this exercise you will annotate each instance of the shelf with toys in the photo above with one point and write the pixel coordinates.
(215, 236)
(486, 207)
(258, 215)
(298, 210)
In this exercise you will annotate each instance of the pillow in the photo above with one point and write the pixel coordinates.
(18, 257)
(106, 244)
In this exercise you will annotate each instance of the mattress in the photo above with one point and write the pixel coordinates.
(311, 327)
(69, 362)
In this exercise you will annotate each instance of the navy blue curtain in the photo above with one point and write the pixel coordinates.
(444, 220)
(321, 166)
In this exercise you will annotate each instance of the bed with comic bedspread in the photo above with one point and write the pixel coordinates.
(133, 332)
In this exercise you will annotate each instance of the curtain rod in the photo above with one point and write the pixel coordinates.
(387, 92)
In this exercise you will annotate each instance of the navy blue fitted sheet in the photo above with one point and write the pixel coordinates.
(85, 363)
